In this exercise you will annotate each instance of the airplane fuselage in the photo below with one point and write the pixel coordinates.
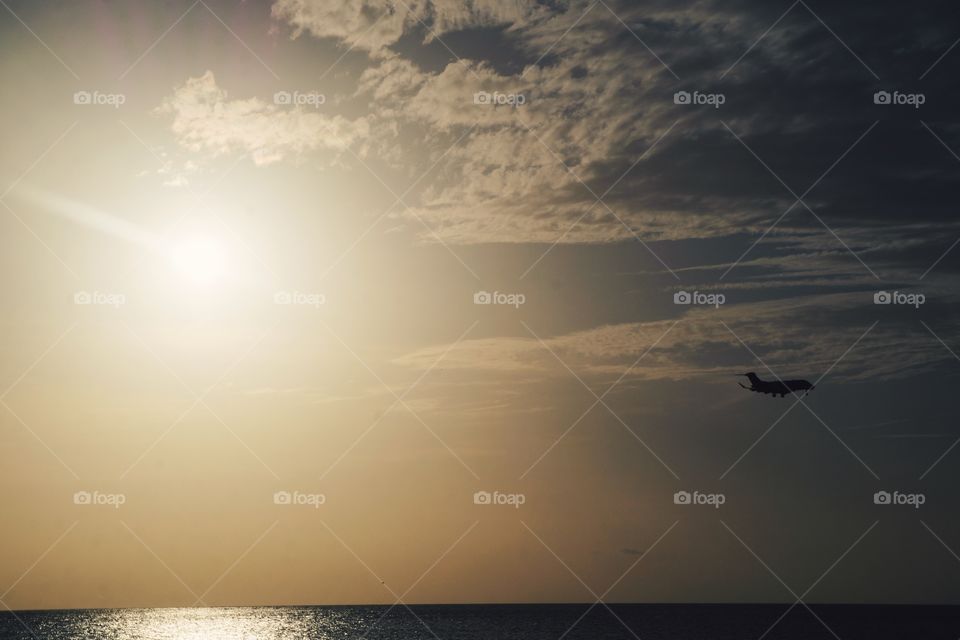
(776, 387)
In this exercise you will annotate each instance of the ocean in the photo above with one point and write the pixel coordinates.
(491, 622)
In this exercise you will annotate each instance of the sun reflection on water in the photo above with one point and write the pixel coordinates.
(252, 623)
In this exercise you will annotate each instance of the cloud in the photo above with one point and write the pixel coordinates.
(205, 120)
(505, 180)
(374, 25)
(367, 25)
(598, 82)
(533, 173)
(796, 337)
(599, 114)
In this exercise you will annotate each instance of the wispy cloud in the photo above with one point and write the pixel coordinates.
(801, 336)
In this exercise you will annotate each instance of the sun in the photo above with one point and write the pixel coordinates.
(200, 260)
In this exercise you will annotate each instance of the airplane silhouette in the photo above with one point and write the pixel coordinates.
(774, 388)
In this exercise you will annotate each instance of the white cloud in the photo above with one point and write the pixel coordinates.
(506, 181)
(205, 120)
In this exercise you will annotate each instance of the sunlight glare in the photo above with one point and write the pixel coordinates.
(201, 260)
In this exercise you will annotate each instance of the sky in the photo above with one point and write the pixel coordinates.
(444, 301)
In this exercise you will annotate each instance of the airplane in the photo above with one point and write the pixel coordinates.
(774, 388)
